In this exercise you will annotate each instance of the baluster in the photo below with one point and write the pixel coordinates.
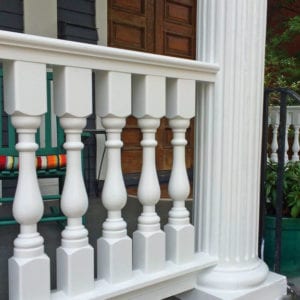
(149, 239)
(296, 123)
(288, 124)
(296, 146)
(114, 248)
(75, 257)
(268, 145)
(179, 231)
(274, 144)
(25, 99)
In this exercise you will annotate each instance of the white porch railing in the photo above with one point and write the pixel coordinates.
(156, 263)
(291, 133)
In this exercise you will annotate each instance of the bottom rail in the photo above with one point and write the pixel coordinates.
(174, 279)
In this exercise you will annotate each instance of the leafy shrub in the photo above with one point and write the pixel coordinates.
(291, 189)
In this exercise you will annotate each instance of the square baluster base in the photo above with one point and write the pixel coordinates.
(29, 278)
(75, 269)
(114, 259)
(149, 251)
(180, 241)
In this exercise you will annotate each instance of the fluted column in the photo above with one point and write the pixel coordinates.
(231, 33)
(73, 103)
(114, 248)
(25, 99)
(180, 233)
(149, 240)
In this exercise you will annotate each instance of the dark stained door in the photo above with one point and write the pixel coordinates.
(164, 27)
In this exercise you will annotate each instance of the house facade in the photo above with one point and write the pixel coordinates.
(228, 44)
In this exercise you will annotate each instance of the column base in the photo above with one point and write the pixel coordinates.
(29, 278)
(273, 288)
(71, 264)
(230, 276)
(114, 259)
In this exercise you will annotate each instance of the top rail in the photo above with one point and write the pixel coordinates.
(24, 47)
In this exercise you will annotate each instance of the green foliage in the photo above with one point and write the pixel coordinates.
(282, 70)
(291, 189)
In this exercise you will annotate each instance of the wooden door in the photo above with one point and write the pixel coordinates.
(157, 26)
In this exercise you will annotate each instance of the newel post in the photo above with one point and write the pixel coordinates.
(149, 240)
(26, 101)
(228, 150)
(114, 248)
(75, 257)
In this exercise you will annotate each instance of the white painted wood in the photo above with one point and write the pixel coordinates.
(292, 118)
(113, 94)
(29, 264)
(149, 241)
(296, 124)
(148, 104)
(171, 280)
(25, 99)
(181, 98)
(180, 233)
(273, 288)
(296, 146)
(228, 143)
(25, 88)
(75, 257)
(274, 144)
(275, 120)
(114, 248)
(148, 96)
(16, 46)
(288, 124)
(72, 91)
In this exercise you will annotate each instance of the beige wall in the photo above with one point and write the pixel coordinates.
(40, 17)
(101, 21)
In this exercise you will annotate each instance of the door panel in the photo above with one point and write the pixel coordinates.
(157, 26)
(175, 28)
(131, 25)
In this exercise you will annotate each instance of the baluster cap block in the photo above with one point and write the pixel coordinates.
(274, 116)
(296, 117)
(181, 95)
(113, 94)
(148, 96)
(25, 88)
(72, 91)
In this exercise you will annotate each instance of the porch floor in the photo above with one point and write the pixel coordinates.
(51, 232)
